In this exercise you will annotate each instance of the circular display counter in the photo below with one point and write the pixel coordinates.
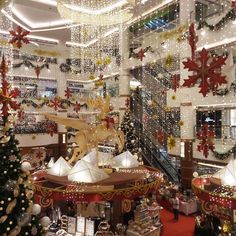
(216, 199)
(121, 184)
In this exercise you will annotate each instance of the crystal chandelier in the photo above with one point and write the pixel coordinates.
(96, 12)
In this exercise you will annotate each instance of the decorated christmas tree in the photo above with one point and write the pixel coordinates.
(17, 211)
(131, 139)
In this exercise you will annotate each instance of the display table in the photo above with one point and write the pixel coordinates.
(155, 232)
(188, 207)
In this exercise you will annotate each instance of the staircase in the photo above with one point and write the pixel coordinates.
(152, 118)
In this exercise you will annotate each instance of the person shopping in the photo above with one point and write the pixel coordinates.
(175, 205)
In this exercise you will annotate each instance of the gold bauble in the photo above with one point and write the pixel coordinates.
(10, 206)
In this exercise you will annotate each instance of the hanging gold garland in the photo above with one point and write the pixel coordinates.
(169, 60)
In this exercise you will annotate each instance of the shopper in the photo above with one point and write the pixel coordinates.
(175, 206)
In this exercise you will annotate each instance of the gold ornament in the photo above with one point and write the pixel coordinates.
(16, 192)
(2, 219)
(173, 97)
(107, 61)
(5, 139)
(15, 231)
(169, 61)
(20, 180)
(171, 142)
(180, 123)
(99, 62)
(33, 137)
(29, 194)
(10, 206)
(29, 209)
(91, 77)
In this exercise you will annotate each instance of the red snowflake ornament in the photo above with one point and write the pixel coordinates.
(18, 37)
(77, 107)
(175, 82)
(205, 137)
(52, 129)
(208, 71)
(192, 39)
(21, 115)
(160, 136)
(55, 103)
(141, 54)
(7, 97)
(68, 93)
(3, 67)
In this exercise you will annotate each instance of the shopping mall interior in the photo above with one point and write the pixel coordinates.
(117, 117)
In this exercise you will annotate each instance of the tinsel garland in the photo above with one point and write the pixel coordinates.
(223, 156)
(230, 16)
(225, 91)
(63, 105)
(29, 64)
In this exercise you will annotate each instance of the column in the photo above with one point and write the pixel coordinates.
(187, 111)
(62, 132)
(124, 79)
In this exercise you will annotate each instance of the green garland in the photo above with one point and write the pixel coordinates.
(230, 16)
(223, 156)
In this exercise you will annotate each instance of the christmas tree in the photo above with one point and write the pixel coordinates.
(131, 139)
(17, 211)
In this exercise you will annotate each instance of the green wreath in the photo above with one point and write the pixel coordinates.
(223, 156)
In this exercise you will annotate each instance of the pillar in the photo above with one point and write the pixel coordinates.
(124, 79)
(62, 132)
(187, 111)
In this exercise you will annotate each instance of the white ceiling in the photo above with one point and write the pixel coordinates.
(41, 17)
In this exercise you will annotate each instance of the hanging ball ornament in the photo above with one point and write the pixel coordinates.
(26, 166)
(36, 209)
(195, 174)
(45, 221)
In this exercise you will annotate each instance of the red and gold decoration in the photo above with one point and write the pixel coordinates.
(109, 122)
(171, 142)
(175, 82)
(68, 93)
(141, 54)
(7, 97)
(3, 67)
(55, 103)
(205, 137)
(21, 115)
(19, 37)
(77, 107)
(160, 136)
(192, 40)
(52, 129)
(205, 68)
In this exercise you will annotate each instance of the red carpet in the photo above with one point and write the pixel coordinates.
(184, 227)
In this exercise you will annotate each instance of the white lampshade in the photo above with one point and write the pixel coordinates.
(125, 160)
(85, 172)
(60, 168)
(227, 175)
(103, 158)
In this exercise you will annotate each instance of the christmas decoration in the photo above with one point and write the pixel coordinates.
(205, 137)
(207, 71)
(160, 137)
(7, 97)
(21, 115)
(192, 39)
(131, 139)
(55, 103)
(16, 203)
(3, 67)
(109, 122)
(127, 102)
(224, 156)
(18, 37)
(52, 129)
(180, 123)
(141, 54)
(173, 97)
(68, 93)
(175, 82)
(29, 64)
(230, 16)
(77, 107)
(171, 142)
(169, 60)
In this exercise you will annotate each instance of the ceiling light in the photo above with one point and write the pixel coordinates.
(47, 2)
(108, 14)
(210, 165)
